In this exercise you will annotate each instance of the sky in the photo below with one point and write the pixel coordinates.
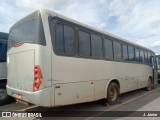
(135, 20)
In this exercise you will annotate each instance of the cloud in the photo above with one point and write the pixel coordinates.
(156, 44)
(85, 11)
(148, 36)
(103, 25)
(9, 14)
(155, 24)
(138, 21)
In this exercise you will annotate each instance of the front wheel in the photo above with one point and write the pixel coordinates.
(112, 93)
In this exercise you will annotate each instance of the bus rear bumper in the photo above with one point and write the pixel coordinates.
(39, 98)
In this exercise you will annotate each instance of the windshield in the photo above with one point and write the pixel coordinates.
(23, 33)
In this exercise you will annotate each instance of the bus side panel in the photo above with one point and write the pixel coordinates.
(71, 93)
(143, 79)
(69, 70)
(135, 83)
(132, 83)
(100, 89)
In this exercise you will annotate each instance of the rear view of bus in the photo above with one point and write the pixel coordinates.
(27, 59)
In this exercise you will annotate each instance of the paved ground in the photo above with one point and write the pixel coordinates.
(139, 100)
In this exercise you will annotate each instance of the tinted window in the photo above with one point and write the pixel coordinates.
(3, 50)
(146, 57)
(96, 42)
(125, 52)
(84, 43)
(149, 58)
(23, 33)
(131, 53)
(69, 40)
(117, 50)
(142, 56)
(59, 39)
(65, 39)
(108, 49)
(137, 55)
(153, 60)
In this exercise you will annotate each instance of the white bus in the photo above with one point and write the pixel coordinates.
(4, 98)
(54, 61)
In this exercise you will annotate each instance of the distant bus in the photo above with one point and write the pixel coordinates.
(54, 61)
(4, 98)
(158, 68)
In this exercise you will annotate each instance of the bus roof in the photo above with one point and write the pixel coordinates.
(51, 13)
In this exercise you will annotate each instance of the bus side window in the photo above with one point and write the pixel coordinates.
(141, 56)
(69, 39)
(117, 50)
(96, 43)
(84, 43)
(131, 53)
(146, 56)
(59, 39)
(108, 49)
(65, 39)
(137, 55)
(125, 52)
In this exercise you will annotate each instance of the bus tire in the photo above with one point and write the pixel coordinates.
(4, 98)
(112, 93)
(149, 84)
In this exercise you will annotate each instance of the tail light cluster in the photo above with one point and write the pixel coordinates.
(37, 78)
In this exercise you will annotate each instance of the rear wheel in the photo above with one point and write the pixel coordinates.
(112, 93)
(150, 84)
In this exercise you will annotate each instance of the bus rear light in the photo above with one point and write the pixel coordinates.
(37, 78)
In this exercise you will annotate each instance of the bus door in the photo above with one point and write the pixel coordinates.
(158, 68)
(154, 66)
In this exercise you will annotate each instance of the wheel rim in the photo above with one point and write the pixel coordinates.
(113, 93)
(2, 94)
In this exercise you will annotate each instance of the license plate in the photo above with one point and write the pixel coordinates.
(18, 96)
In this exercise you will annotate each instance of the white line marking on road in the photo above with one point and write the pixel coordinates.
(89, 118)
(34, 106)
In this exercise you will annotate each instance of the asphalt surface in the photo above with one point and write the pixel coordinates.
(131, 101)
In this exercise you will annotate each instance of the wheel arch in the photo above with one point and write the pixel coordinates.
(149, 84)
(150, 77)
(110, 81)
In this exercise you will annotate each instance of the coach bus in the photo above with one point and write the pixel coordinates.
(4, 98)
(53, 61)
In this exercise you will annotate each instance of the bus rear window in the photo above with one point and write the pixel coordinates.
(23, 33)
